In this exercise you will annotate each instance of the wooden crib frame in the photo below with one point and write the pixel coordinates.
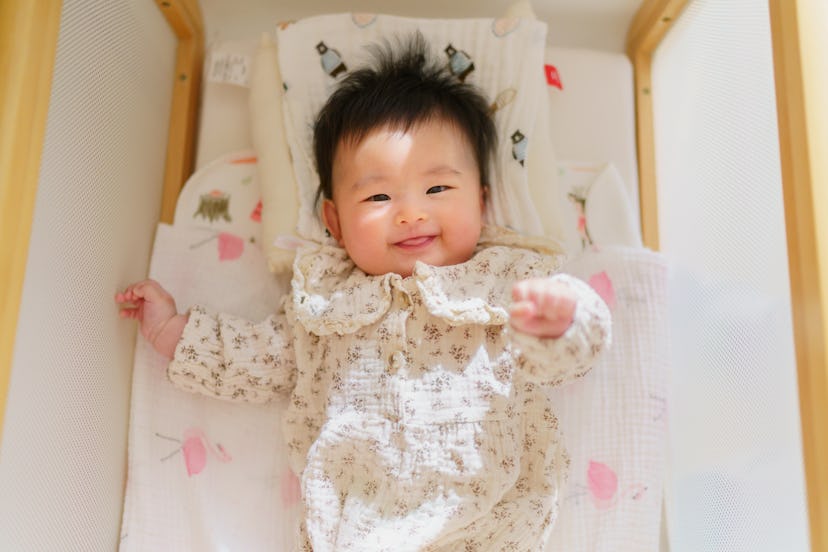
(28, 38)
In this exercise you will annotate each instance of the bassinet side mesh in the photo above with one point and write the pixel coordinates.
(63, 457)
(736, 475)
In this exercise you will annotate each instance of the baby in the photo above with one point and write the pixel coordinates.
(416, 343)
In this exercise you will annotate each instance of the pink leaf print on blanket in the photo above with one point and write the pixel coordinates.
(195, 447)
(230, 246)
(602, 285)
(603, 484)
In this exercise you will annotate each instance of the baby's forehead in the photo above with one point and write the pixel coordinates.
(353, 139)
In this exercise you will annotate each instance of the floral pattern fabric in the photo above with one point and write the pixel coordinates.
(417, 417)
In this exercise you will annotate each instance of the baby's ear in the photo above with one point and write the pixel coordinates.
(330, 217)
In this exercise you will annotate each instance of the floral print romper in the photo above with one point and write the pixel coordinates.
(417, 418)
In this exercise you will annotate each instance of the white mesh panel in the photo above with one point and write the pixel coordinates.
(736, 481)
(62, 463)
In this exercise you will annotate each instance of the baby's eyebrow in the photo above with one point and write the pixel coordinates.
(379, 177)
(367, 179)
(441, 169)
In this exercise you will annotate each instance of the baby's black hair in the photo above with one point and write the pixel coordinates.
(403, 88)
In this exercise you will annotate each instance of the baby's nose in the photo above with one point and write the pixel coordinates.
(410, 213)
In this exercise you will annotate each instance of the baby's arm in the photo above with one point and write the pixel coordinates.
(155, 310)
(213, 354)
(562, 326)
(227, 357)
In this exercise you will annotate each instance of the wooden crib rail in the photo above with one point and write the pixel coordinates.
(801, 73)
(28, 42)
(184, 17)
(647, 29)
(801, 76)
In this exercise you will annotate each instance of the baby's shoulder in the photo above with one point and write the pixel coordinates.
(515, 262)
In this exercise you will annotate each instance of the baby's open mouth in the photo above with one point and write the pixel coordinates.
(415, 242)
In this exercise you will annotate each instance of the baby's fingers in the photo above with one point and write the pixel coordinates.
(124, 297)
(522, 316)
(148, 290)
(129, 313)
(128, 295)
(542, 307)
(523, 309)
(538, 289)
(522, 290)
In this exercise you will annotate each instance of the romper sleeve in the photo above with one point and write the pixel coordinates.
(555, 361)
(230, 358)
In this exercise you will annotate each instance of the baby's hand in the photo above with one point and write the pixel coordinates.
(155, 310)
(542, 307)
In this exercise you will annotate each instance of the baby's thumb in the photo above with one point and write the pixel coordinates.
(151, 291)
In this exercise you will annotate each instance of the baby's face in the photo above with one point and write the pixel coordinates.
(403, 197)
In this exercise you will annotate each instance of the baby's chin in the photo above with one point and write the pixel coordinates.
(404, 271)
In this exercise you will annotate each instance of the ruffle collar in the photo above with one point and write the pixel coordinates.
(331, 295)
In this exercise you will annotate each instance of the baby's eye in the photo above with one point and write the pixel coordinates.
(379, 197)
(437, 189)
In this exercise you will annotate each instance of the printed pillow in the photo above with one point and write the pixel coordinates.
(509, 56)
